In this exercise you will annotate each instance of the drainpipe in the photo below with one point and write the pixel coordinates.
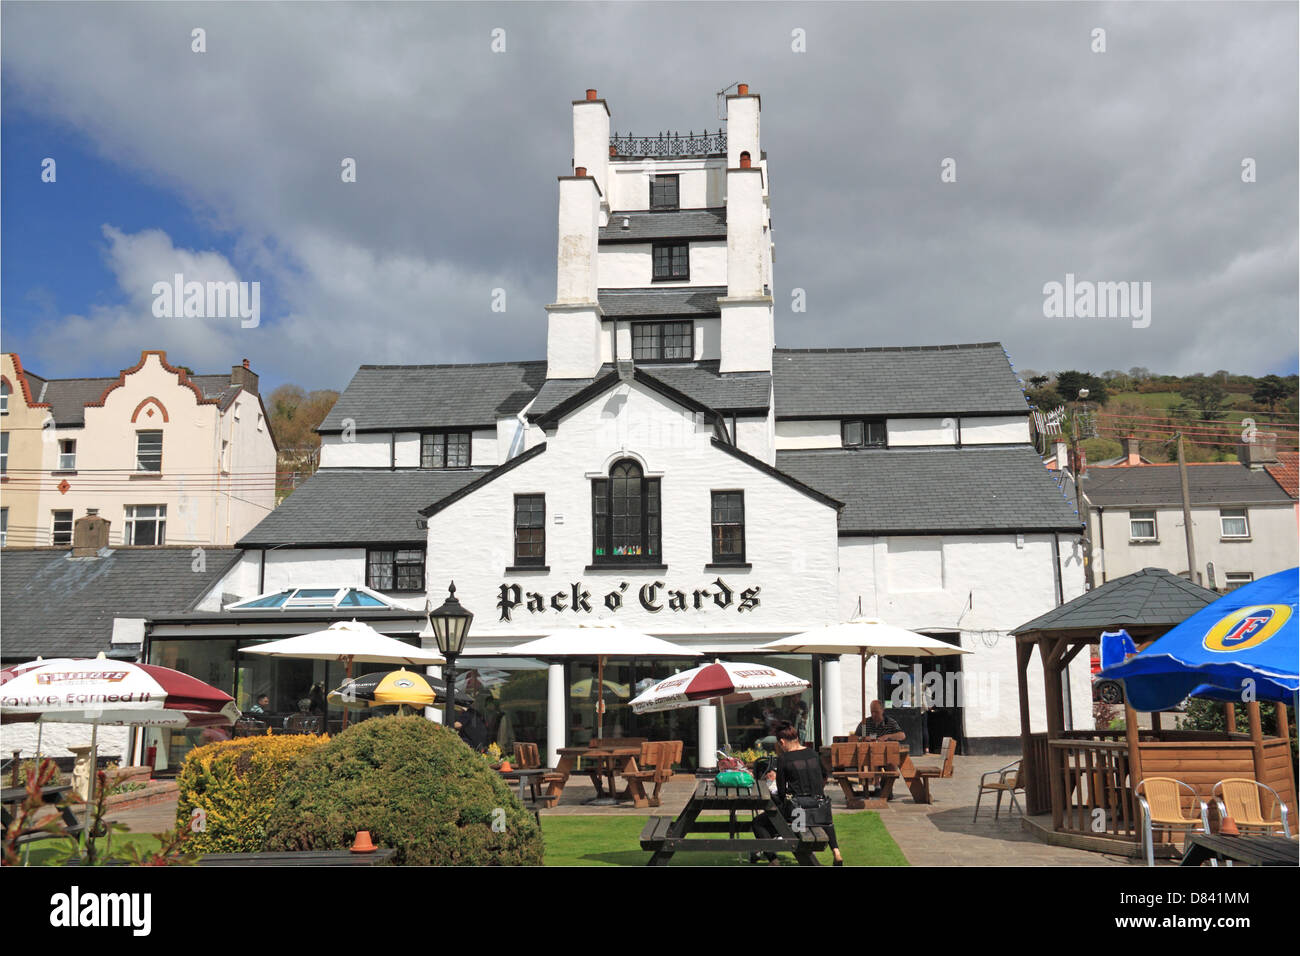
(1060, 599)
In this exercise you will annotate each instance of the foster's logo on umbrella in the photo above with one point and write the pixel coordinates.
(1246, 627)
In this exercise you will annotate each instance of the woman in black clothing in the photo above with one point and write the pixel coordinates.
(798, 773)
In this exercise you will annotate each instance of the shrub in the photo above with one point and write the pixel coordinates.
(416, 787)
(235, 784)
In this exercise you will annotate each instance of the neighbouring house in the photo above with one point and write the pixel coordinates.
(167, 457)
(1243, 520)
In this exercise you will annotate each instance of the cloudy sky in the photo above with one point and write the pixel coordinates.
(1122, 165)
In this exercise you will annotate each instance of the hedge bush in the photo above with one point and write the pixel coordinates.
(416, 787)
(235, 784)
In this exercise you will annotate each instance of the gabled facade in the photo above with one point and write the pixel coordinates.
(165, 456)
(667, 468)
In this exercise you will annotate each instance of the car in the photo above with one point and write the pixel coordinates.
(1115, 647)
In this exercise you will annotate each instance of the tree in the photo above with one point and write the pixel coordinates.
(1038, 381)
(1270, 390)
(295, 416)
(1206, 395)
(1069, 383)
(1139, 374)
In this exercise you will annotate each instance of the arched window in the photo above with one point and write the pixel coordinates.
(625, 516)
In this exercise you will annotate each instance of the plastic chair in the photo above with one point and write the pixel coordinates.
(1240, 800)
(1162, 809)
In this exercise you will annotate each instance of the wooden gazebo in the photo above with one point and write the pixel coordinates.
(1076, 773)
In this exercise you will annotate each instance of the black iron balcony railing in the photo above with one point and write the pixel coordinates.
(669, 144)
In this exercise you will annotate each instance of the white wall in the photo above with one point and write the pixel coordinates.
(315, 567)
(989, 587)
(808, 434)
(754, 437)
(902, 432)
(631, 265)
(1271, 547)
(700, 183)
(994, 430)
(365, 450)
(790, 537)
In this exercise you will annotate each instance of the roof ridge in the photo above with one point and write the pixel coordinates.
(892, 348)
(462, 364)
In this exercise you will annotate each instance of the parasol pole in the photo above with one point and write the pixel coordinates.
(726, 737)
(94, 764)
(600, 695)
(348, 678)
(862, 654)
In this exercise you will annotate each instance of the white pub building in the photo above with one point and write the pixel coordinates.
(668, 468)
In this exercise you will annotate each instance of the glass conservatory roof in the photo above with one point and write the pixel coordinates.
(306, 598)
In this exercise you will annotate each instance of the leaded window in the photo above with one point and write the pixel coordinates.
(672, 261)
(626, 518)
(445, 450)
(663, 192)
(663, 341)
(397, 569)
(728, 523)
(530, 529)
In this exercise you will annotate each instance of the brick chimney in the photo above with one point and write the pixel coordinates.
(1131, 454)
(89, 535)
(243, 375)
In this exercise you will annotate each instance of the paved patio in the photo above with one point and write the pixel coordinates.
(940, 834)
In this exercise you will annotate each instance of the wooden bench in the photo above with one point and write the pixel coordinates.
(858, 767)
(656, 765)
(927, 772)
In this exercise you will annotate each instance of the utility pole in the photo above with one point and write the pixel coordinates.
(1077, 466)
(1193, 574)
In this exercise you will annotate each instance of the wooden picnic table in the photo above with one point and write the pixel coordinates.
(13, 797)
(906, 770)
(300, 858)
(525, 776)
(609, 762)
(666, 836)
(1254, 850)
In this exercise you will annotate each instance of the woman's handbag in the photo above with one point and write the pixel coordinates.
(816, 810)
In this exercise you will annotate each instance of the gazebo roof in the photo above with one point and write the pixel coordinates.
(1150, 598)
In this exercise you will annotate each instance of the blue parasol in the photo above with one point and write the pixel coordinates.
(1246, 643)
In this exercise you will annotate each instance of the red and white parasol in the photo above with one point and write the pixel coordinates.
(721, 681)
(108, 692)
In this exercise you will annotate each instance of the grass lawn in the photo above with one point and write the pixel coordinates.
(615, 841)
(54, 852)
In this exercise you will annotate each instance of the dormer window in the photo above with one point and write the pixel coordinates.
(663, 192)
(863, 433)
(672, 261)
(663, 341)
(445, 450)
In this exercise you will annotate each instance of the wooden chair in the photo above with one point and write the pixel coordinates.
(1162, 809)
(1240, 799)
(928, 772)
(527, 757)
(1009, 780)
(656, 766)
(884, 765)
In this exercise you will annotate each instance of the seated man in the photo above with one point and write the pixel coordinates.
(878, 726)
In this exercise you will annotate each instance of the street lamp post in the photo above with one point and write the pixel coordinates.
(450, 625)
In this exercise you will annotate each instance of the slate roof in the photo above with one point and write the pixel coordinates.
(358, 506)
(68, 397)
(427, 396)
(998, 488)
(648, 225)
(925, 380)
(1152, 597)
(700, 381)
(651, 303)
(1211, 483)
(55, 605)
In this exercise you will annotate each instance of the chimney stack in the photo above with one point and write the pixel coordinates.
(245, 376)
(1062, 453)
(748, 329)
(1131, 454)
(1257, 450)
(591, 144)
(89, 535)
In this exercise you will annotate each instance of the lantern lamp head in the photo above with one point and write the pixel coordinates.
(450, 623)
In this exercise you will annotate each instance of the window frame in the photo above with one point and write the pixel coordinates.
(4, 453)
(1226, 514)
(5, 391)
(1155, 525)
(659, 338)
(866, 423)
(602, 490)
(714, 525)
(4, 526)
(394, 565)
(438, 439)
(72, 455)
(54, 528)
(139, 465)
(531, 560)
(131, 520)
(1227, 580)
(664, 178)
(672, 276)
